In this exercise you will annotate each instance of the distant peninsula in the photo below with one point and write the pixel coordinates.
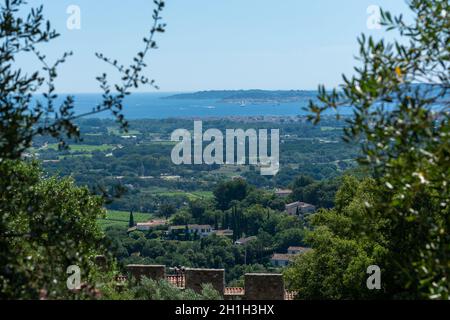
(254, 96)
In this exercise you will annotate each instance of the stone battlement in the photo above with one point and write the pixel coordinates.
(258, 286)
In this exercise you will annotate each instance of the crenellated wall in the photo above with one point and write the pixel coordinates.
(264, 286)
(196, 277)
(258, 286)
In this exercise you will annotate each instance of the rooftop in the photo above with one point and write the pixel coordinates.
(199, 226)
(225, 232)
(234, 291)
(283, 191)
(299, 204)
(152, 223)
(191, 226)
(283, 256)
(301, 249)
(245, 240)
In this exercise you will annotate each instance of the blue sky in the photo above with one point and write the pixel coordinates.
(215, 44)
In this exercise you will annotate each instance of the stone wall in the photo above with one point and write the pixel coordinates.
(155, 272)
(196, 277)
(258, 286)
(264, 286)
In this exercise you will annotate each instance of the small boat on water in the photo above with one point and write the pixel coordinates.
(243, 104)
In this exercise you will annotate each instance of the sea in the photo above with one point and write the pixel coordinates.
(159, 106)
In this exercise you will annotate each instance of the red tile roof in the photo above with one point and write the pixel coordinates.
(178, 281)
(236, 291)
(233, 291)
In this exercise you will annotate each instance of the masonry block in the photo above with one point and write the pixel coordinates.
(196, 277)
(264, 286)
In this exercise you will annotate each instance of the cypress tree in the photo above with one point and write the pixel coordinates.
(131, 223)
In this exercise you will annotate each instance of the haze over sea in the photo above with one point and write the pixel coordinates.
(154, 106)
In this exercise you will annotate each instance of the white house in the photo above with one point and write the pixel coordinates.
(281, 259)
(283, 193)
(299, 208)
(202, 230)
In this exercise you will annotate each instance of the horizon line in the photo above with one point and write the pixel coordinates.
(179, 91)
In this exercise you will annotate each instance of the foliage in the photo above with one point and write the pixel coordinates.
(23, 117)
(228, 191)
(401, 120)
(343, 247)
(149, 289)
(252, 216)
(131, 220)
(131, 159)
(319, 193)
(46, 225)
(166, 210)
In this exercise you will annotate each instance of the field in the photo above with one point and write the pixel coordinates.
(85, 155)
(230, 170)
(121, 218)
(83, 147)
(193, 195)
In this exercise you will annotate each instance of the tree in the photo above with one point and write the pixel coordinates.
(254, 217)
(48, 224)
(197, 209)
(226, 192)
(289, 237)
(22, 117)
(298, 186)
(343, 247)
(167, 210)
(319, 193)
(148, 289)
(401, 120)
(182, 217)
(131, 220)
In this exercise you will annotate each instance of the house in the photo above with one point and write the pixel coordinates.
(299, 208)
(298, 250)
(176, 230)
(144, 226)
(283, 193)
(281, 259)
(202, 230)
(244, 241)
